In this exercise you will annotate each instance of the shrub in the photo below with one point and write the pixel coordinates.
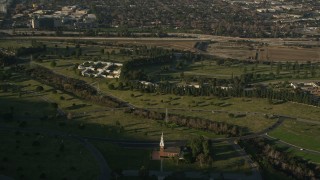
(39, 88)
(53, 64)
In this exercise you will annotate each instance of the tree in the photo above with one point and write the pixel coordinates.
(53, 64)
(120, 86)
(188, 157)
(102, 51)
(245, 69)
(70, 116)
(54, 105)
(111, 86)
(201, 158)
(206, 147)
(196, 145)
(278, 71)
(39, 88)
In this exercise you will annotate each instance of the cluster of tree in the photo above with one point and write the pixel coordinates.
(131, 68)
(143, 51)
(30, 50)
(200, 151)
(36, 47)
(293, 66)
(7, 60)
(77, 87)
(6, 87)
(284, 161)
(236, 88)
(191, 122)
(4, 75)
(201, 46)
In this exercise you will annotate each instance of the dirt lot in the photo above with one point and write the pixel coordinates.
(274, 53)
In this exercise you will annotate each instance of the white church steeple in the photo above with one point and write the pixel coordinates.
(161, 142)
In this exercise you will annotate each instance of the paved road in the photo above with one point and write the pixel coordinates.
(198, 37)
(254, 168)
(100, 38)
(105, 170)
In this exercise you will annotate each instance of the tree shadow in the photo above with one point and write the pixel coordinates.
(97, 117)
(76, 106)
(66, 65)
(224, 152)
(135, 130)
(131, 125)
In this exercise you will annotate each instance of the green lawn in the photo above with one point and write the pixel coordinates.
(212, 103)
(303, 154)
(209, 68)
(253, 123)
(298, 133)
(116, 124)
(14, 43)
(22, 158)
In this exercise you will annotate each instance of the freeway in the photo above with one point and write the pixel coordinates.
(97, 38)
(176, 36)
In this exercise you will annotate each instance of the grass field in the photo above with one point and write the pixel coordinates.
(37, 156)
(253, 123)
(303, 154)
(213, 103)
(115, 124)
(104, 123)
(14, 43)
(275, 52)
(299, 134)
(209, 68)
(172, 101)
